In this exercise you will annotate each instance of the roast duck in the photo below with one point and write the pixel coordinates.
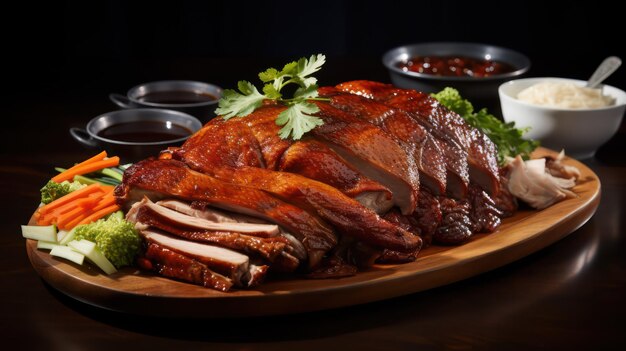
(389, 172)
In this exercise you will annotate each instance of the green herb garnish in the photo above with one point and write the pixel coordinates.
(297, 119)
(505, 136)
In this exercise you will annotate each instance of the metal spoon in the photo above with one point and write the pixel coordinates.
(606, 68)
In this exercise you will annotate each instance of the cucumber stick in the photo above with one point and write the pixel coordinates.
(43, 233)
(91, 251)
(67, 253)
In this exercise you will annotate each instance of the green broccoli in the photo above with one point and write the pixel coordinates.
(116, 238)
(505, 136)
(53, 190)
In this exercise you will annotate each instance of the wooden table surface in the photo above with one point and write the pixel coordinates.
(570, 295)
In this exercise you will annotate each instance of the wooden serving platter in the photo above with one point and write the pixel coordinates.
(134, 291)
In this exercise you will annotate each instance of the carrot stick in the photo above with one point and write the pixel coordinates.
(106, 201)
(77, 194)
(81, 169)
(99, 214)
(98, 157)
(74, 222)
(87, 202)
(65, 218)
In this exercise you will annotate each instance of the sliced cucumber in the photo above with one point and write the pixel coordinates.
(45, 245)
(91, 251)
(68, 254)
(68, 237)
(42, 233)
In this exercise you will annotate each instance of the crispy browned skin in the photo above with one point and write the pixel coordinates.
(362, 142)
(317, 161)
(175, 265)
(347, 215)
(171, 178)
(266, 248)
(422, 149)
(216, 145)
(443, 123)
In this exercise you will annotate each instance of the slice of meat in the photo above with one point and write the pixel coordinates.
(418, 144)
(201, 210)
(315, 160)
(159, 179)
(229, 263)
(443, 123)
(258, 131)
(347, 215)
(372, 151)
(455, 158)
(267, 249)
(204, 224)
(174, 265)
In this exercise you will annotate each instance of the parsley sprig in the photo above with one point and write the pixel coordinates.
(298, 118)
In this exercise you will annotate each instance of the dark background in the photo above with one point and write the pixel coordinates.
(65, 58)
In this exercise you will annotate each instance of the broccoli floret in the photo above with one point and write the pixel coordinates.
(116, 238)
(53, 190)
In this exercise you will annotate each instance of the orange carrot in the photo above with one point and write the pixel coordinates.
(87, 202)
(99, 214)
(67, 217)
(99, 157)
(74, 222)
(77, 194)
(81, 168)
(106, 201)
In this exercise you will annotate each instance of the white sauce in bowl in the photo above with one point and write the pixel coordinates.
(565, 95)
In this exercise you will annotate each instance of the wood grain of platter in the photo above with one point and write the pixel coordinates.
(133, 291)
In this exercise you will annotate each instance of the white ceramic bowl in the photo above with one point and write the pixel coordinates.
(579, 131)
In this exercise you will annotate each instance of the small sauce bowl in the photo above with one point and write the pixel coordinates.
(198, 99)
(135, 134)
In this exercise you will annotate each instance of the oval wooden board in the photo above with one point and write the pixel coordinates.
(133, 291)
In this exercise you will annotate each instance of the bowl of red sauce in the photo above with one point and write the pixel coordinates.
(475, 69)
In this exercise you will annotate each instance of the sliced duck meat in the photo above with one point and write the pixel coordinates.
(205, 224)
(159, 179)
(455, 158)
(267, 249)
(226, 262)
(443, 123)
(347, 215)
(317, 161)
(175, 265)
(372, 151)
(423, 151)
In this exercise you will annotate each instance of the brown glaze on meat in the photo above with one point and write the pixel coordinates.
(372, 151)
(446, 125)
(317, 161)
(347, 215)
(266, 248)
(424, 153)
(173, 179)
(456, 226)
(174, 265)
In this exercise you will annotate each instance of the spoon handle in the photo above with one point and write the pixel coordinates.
(606, 68)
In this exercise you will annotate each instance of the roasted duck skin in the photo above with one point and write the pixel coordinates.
(158, 179)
